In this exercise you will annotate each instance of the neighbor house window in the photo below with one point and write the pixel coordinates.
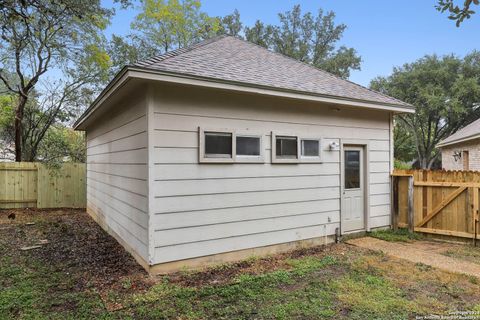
(218, 145)
(286, 147)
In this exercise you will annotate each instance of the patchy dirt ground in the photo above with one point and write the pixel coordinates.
(442, 255)
(80, 272)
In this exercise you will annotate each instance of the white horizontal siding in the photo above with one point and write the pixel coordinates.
(139, 246)
(117, 172)
(174, 220)
(185, 123)
(209, 247)
(132, 171)
(380, 210)
(233, 200)
(235, 229)
(239, 170)
(203, 209)
(379, 188)
(380, 221)
(172, 188)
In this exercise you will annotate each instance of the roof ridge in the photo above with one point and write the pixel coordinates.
(179, 51)
(318, 69)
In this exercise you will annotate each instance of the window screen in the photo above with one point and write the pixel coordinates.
(352, 169)
(218, 144)
(286, 147)
(248, 146)
(310, 148)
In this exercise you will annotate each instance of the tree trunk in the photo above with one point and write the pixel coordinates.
(18, 127)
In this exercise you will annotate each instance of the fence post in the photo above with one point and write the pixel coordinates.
(410, 204)
(394, 204)
(475, 206)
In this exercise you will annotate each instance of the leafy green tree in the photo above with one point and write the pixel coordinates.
(168, 24)
(260, 34)
(446, 94)
(230, 24)
(404, 148)
(62, 144)
(308, 38)
(457, 13)
(164, 25)
(38, 36)
(46, 137)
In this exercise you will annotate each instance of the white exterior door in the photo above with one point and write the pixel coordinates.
(353, 189)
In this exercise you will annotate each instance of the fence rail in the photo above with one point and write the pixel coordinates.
(29, 184)
(437, 202)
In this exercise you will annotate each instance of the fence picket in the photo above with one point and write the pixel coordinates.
(444, 202)
(28, 184)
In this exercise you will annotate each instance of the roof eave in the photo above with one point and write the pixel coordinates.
(456, 141)
(180, 78)
(118, 81)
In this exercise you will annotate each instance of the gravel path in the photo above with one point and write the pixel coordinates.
(426, 252)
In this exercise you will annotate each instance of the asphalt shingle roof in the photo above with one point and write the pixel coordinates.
(231, 59)
(470, 131)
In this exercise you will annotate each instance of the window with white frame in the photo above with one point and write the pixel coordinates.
(223, 146)
(248, 146)
(310, 148)
(286, 147)
(295, 149)
(218, 144)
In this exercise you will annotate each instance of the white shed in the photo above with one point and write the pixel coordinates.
(225, 150)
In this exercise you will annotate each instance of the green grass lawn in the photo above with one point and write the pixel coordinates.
(82, 273)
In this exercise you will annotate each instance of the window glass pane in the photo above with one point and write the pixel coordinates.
(310, 148)
(248, 146)
(352, 169)
(218, 144)
(286, 147)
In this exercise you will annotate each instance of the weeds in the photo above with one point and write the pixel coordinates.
(400, 235)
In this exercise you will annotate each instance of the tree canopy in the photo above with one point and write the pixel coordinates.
(446, 94)
(457, 13)
(308, 38)
(38, 37)
(163, 25)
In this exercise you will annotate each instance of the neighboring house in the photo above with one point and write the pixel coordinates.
(224, 150)
(461, 150)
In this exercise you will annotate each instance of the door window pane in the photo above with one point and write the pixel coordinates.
(310, 148)
(218, 144)
(286, 147)
(352, 169)
(248, 146)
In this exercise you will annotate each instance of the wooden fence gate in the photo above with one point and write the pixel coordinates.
(28, 184)
(437, 202)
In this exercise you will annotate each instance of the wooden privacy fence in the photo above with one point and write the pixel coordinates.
(437, 202)
(28, 184)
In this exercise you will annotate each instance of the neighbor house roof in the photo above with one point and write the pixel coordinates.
(235, 64)
(470, 132)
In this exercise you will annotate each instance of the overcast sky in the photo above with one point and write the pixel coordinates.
(385, 33)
